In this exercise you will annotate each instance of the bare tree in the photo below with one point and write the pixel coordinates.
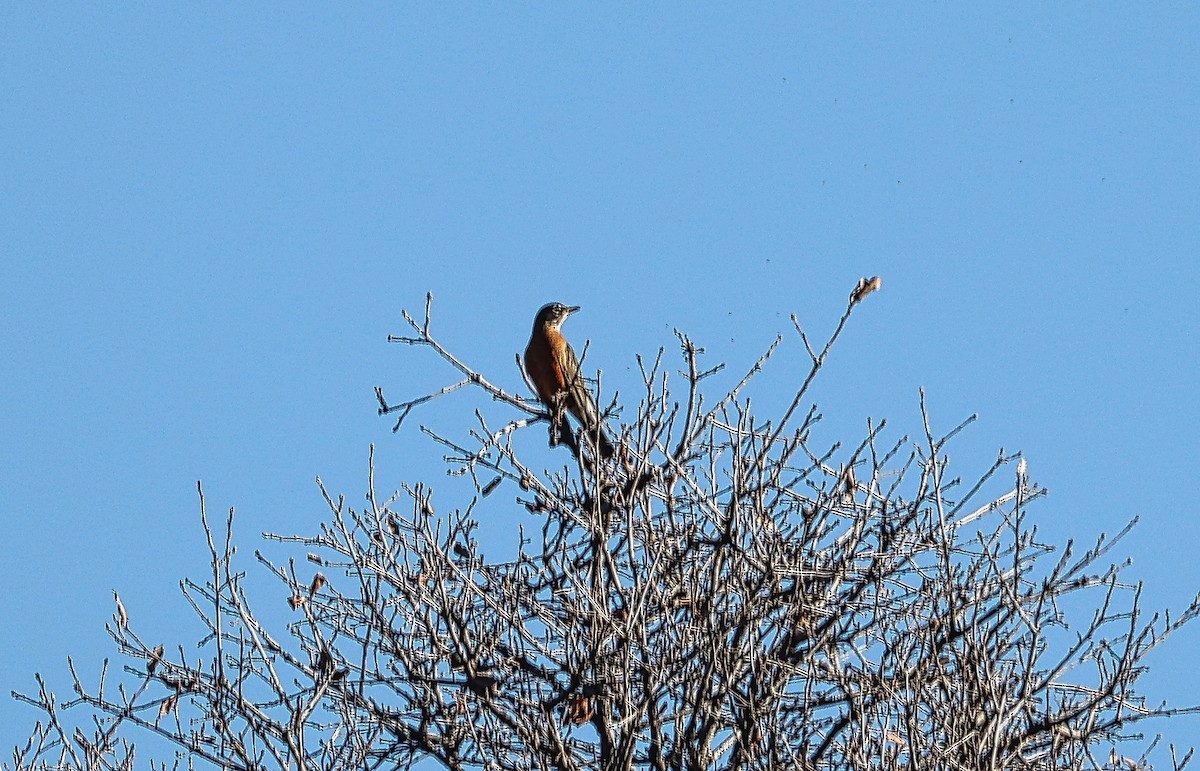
(722, 593)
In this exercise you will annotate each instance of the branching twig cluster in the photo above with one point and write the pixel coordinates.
(721, 594)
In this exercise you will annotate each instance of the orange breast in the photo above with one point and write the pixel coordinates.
(543, 364)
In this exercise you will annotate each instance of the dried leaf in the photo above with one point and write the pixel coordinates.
(849, 484)
(579, 710)
(155, 657)
(865, 287)
(122, 616)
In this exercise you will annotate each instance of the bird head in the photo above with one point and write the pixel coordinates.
(553, 315)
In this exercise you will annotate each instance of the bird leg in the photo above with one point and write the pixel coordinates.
(559, 430)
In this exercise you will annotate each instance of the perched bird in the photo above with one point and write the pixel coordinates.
(554, 370)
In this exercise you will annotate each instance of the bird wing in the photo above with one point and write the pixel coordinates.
(580, 400)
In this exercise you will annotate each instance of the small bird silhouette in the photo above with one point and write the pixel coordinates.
(554, 369)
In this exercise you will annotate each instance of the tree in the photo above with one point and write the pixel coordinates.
(722, 593)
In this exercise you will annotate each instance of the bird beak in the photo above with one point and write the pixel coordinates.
(571, 309)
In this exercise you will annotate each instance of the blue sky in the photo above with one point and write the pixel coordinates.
(212, 217)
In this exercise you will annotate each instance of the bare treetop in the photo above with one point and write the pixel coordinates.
(717, 592)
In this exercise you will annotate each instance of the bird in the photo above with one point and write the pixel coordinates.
(553, 367)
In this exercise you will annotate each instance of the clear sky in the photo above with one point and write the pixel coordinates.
(212, 216)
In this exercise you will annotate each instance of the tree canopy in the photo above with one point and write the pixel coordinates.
(722, 593)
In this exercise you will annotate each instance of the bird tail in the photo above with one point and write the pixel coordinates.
(599, 441)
